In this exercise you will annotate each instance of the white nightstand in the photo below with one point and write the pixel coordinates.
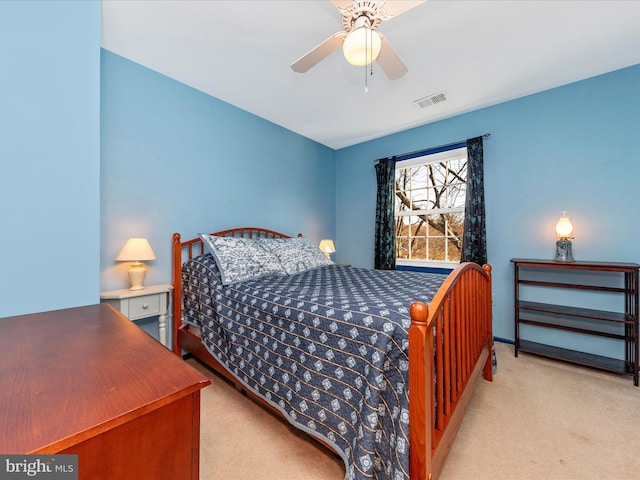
(137, 304)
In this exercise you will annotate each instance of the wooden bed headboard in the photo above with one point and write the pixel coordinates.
(183, 251)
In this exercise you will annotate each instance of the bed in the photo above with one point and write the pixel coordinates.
(377, 365)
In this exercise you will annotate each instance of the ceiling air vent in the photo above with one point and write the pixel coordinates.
(429, 100)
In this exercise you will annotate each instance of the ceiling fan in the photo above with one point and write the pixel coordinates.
(360, 42)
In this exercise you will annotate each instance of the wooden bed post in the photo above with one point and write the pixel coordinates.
(176, 279)
(488, 317)
(420, 413)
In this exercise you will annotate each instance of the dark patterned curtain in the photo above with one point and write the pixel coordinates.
(474, 242)
(385, 239)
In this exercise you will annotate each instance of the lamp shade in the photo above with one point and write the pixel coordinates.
(327, 246)
(362, 46)
(564, 227)
(136, 250)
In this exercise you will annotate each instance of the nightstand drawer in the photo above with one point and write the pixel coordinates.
(141, 307)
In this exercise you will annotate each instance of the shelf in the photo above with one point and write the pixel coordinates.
(614, 325)
(601, 329)
(572, 286)
(577, 358)
(591, 266)
(603, 315)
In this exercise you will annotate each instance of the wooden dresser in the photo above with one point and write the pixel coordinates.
(87, 381)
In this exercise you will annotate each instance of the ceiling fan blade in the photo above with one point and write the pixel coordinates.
(327, 47)
(393, 8)
(390, 62)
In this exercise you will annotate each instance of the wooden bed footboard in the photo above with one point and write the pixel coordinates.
(450, 344)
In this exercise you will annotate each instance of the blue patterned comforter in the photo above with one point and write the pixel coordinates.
(327, 347)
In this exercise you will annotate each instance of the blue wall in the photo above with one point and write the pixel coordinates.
(96, 149)
(571, 148)
(177, 160)
(49, 161)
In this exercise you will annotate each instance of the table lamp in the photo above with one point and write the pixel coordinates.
(563, 245)
(327, 247)
(136, 250)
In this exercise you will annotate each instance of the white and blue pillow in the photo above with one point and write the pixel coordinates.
(240, 259)
(296, 254)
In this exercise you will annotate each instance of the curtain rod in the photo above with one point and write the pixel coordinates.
(484, 135)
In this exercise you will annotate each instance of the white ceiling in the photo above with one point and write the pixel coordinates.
(479, 52)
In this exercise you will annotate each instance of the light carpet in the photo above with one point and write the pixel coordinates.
(538, 419)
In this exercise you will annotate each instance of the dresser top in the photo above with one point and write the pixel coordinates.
(71, 374)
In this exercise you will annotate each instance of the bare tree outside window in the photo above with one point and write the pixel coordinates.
(430, 197)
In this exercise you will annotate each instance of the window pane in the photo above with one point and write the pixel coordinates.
(436, 225)
(419, 199)
(402, 247)
(416, 224)
(436, 249)
(455, 229)
(456, 223)
(419, 248)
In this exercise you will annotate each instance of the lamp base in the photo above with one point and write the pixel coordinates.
(136, 276)
(563, 251)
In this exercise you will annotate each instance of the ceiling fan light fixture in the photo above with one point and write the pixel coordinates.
(362, 46)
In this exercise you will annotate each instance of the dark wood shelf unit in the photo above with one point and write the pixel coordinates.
(620, 325)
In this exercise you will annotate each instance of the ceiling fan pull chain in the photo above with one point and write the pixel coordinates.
(366, 77)
(366, 86)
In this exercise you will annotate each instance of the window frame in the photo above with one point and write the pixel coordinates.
(418, 158)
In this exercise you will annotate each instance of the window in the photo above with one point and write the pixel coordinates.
(430, 190)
